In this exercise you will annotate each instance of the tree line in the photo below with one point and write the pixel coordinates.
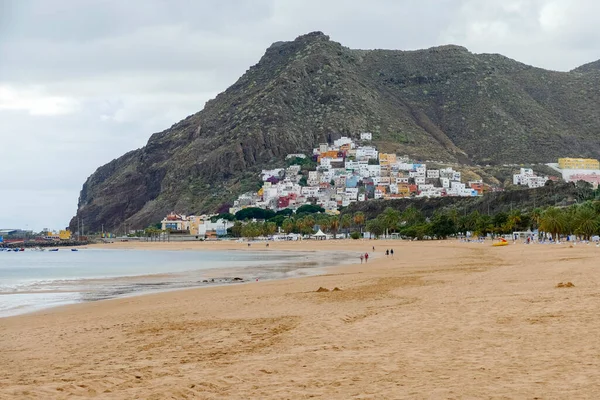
(581, 219)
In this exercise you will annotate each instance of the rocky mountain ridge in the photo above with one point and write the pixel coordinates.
(442, 103)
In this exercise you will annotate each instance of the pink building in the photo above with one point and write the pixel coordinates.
(594, 179)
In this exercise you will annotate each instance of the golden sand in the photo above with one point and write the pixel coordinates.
(442, 320)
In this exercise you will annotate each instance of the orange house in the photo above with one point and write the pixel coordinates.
(404, 189)
(478, 187)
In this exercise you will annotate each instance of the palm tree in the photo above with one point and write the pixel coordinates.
(512, 222)
(586, 222)
(390, 219)
(376, 227)
(334, 225)
(536, 217)
(484, 225)
(306, 224)
(359, 219)
(411, 216)
(346, 222)
(553, 222)
(453, 215)
(269, 228)
(288, 225)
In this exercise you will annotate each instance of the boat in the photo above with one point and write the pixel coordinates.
(502, 242)
(53, 250)
(74, 250)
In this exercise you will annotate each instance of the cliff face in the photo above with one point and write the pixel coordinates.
(443, 103)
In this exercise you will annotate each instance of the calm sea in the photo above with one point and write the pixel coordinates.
(33, 280)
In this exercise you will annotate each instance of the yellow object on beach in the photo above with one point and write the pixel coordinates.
(501, 243)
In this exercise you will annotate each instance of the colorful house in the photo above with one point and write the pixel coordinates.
(386, 159)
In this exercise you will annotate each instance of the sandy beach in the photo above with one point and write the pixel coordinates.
(441, 320)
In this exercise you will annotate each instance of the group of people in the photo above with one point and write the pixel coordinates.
(365, 257)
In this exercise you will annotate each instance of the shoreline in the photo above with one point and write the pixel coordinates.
(440, 320)
(284, 264)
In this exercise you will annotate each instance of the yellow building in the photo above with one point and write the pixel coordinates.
(578, 163)
(64, 235)
(387, 158)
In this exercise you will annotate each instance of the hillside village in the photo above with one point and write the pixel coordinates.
(348, 171)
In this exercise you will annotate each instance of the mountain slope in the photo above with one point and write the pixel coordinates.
(589, 67)
(443, 103)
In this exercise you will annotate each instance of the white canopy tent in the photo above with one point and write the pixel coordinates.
(320, 235)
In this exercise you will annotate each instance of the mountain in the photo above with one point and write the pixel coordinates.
(589, 67)
(444, 103)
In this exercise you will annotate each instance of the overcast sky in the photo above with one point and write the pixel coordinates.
(84, 81)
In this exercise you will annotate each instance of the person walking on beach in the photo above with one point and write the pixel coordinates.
(366, 257)
(361, 258)
(392, 252)
(373, 248)
(387, 253)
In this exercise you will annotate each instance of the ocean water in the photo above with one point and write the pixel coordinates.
(34, 280)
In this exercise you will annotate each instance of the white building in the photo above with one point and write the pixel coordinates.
(342, 141)
(310, 191)
(313, 178)
(404, 166)
(366, 136)
(374, 170)
(523, 175)
(526, 177)
(416, 174)
(353, 165)
(295, 155)
(352, 193)
(433, 173)
(325, 162)
(460, 189)
(367, 153)
(537, 181)
(268, 173)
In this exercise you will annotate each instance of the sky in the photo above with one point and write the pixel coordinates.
(83, 82)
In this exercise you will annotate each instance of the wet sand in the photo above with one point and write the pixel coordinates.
(441, 320)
